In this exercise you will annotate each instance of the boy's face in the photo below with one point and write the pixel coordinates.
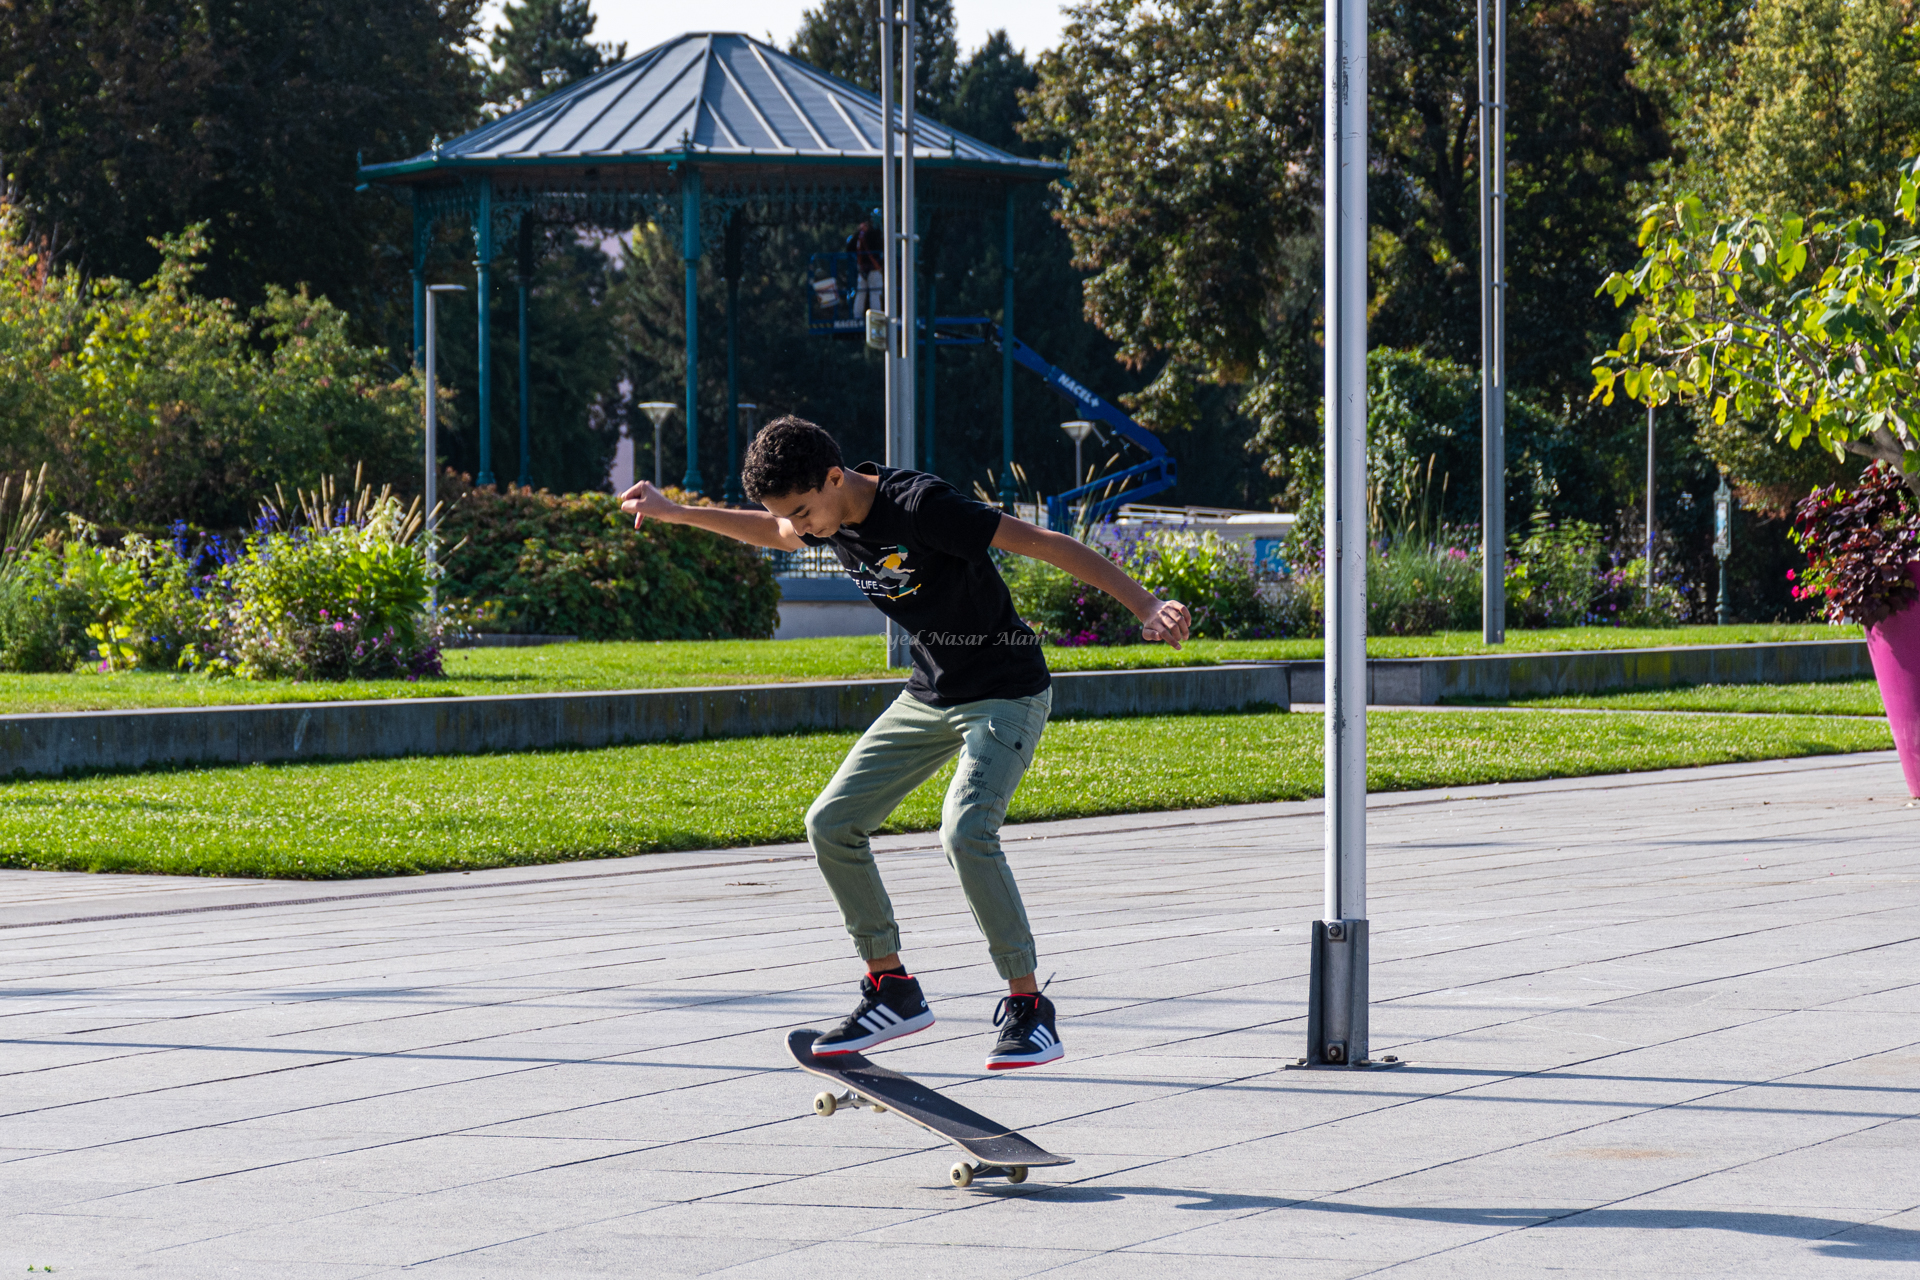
(818, 512)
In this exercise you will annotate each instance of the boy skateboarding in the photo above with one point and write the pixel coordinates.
(918, 549)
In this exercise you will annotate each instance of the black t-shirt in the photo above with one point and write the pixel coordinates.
(921, 558)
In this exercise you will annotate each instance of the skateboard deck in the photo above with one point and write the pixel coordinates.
(996, 1150)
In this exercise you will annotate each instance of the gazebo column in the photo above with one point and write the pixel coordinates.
(690, 252)
(483, 269)
(1008, 492)
(422, 229)
(735, 251)
(525, 264)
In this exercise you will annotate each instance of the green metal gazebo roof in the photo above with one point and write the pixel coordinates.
(721, 100)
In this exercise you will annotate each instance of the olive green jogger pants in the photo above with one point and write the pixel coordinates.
(995, 739)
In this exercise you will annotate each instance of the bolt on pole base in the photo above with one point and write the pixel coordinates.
(1337, 999)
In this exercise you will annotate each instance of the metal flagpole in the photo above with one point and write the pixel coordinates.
(1650, 487)
(909, 243)
(430, 492)
(1337, 994)
(896, 234)
(1493, 322)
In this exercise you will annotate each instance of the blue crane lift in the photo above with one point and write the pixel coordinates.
(834, 284)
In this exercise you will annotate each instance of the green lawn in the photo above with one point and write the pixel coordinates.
(554, 668)
(372, 818)
(1838, 698)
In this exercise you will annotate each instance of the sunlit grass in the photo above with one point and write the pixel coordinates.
(1837, 698)
(666, 664)
(395, 817)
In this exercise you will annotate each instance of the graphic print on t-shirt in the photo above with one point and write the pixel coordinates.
(890, 578)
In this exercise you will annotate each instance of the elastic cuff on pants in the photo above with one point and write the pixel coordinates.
(1017, 965)
(873, 948)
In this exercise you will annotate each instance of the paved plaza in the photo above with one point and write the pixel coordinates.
(1659, 1024)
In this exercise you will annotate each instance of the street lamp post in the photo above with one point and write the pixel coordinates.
(659, 411)
(1650, 490)
(1077, 431)
(747, 416)
(430, 493)
(1723, 544)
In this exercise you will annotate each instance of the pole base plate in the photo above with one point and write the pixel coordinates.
(1365, 1064)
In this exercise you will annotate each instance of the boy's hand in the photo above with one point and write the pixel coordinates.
(1169, 622)
(644, 500)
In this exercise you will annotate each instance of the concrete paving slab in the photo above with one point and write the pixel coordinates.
(1653, 1021)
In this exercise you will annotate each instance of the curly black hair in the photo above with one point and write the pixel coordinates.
(790, 455)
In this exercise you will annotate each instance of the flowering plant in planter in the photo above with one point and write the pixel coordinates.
(1859, 541)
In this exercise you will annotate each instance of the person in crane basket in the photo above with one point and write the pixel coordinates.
(919, 550)
(866, 246)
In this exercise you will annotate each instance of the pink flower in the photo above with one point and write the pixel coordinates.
(339, 626)
(1789, 575)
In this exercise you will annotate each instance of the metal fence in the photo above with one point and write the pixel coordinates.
(808, 562)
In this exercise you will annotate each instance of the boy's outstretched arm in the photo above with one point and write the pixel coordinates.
(758, 528)
(1166, 620)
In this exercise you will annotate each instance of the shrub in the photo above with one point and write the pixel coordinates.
(1063, 609)
(1214, 577)
(1621, 598)
(348, 593)
(1416, 588)
(1554, 574)
(39, 630)
(573, 564)
(152, 402)
(342, 591)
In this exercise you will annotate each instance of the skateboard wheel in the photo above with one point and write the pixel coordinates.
(824, 1104)
(877, 1108)
(962, 1174)
(1017, 1174)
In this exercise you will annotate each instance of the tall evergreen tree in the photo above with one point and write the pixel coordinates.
(842, 38)
(543, 45)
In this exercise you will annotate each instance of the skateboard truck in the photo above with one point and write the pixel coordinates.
(825, 1104)
(964, 1172)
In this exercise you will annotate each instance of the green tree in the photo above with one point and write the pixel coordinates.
(543, 45)
(1808, 320)
(842, 38)
(124, 120)
(152, 402)
(1194, 194)
(1824, 105)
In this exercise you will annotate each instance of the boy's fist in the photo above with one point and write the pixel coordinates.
(1170, 622)
(644, 500)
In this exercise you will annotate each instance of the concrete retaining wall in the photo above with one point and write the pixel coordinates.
(1426, 681)
(51, 744)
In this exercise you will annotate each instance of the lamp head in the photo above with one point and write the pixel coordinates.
(658, 410)
(1079, 429)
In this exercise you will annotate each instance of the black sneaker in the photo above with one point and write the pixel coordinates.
(889, 1008)
(1027, 1034)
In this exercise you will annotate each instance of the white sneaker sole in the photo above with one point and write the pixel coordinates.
(919, 1022)
(1007, 1062)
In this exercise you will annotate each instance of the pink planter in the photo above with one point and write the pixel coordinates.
(1894, 644)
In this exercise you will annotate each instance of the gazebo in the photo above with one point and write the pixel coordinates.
(702, 131)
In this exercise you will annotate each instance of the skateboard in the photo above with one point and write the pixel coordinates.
(995, 1151)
